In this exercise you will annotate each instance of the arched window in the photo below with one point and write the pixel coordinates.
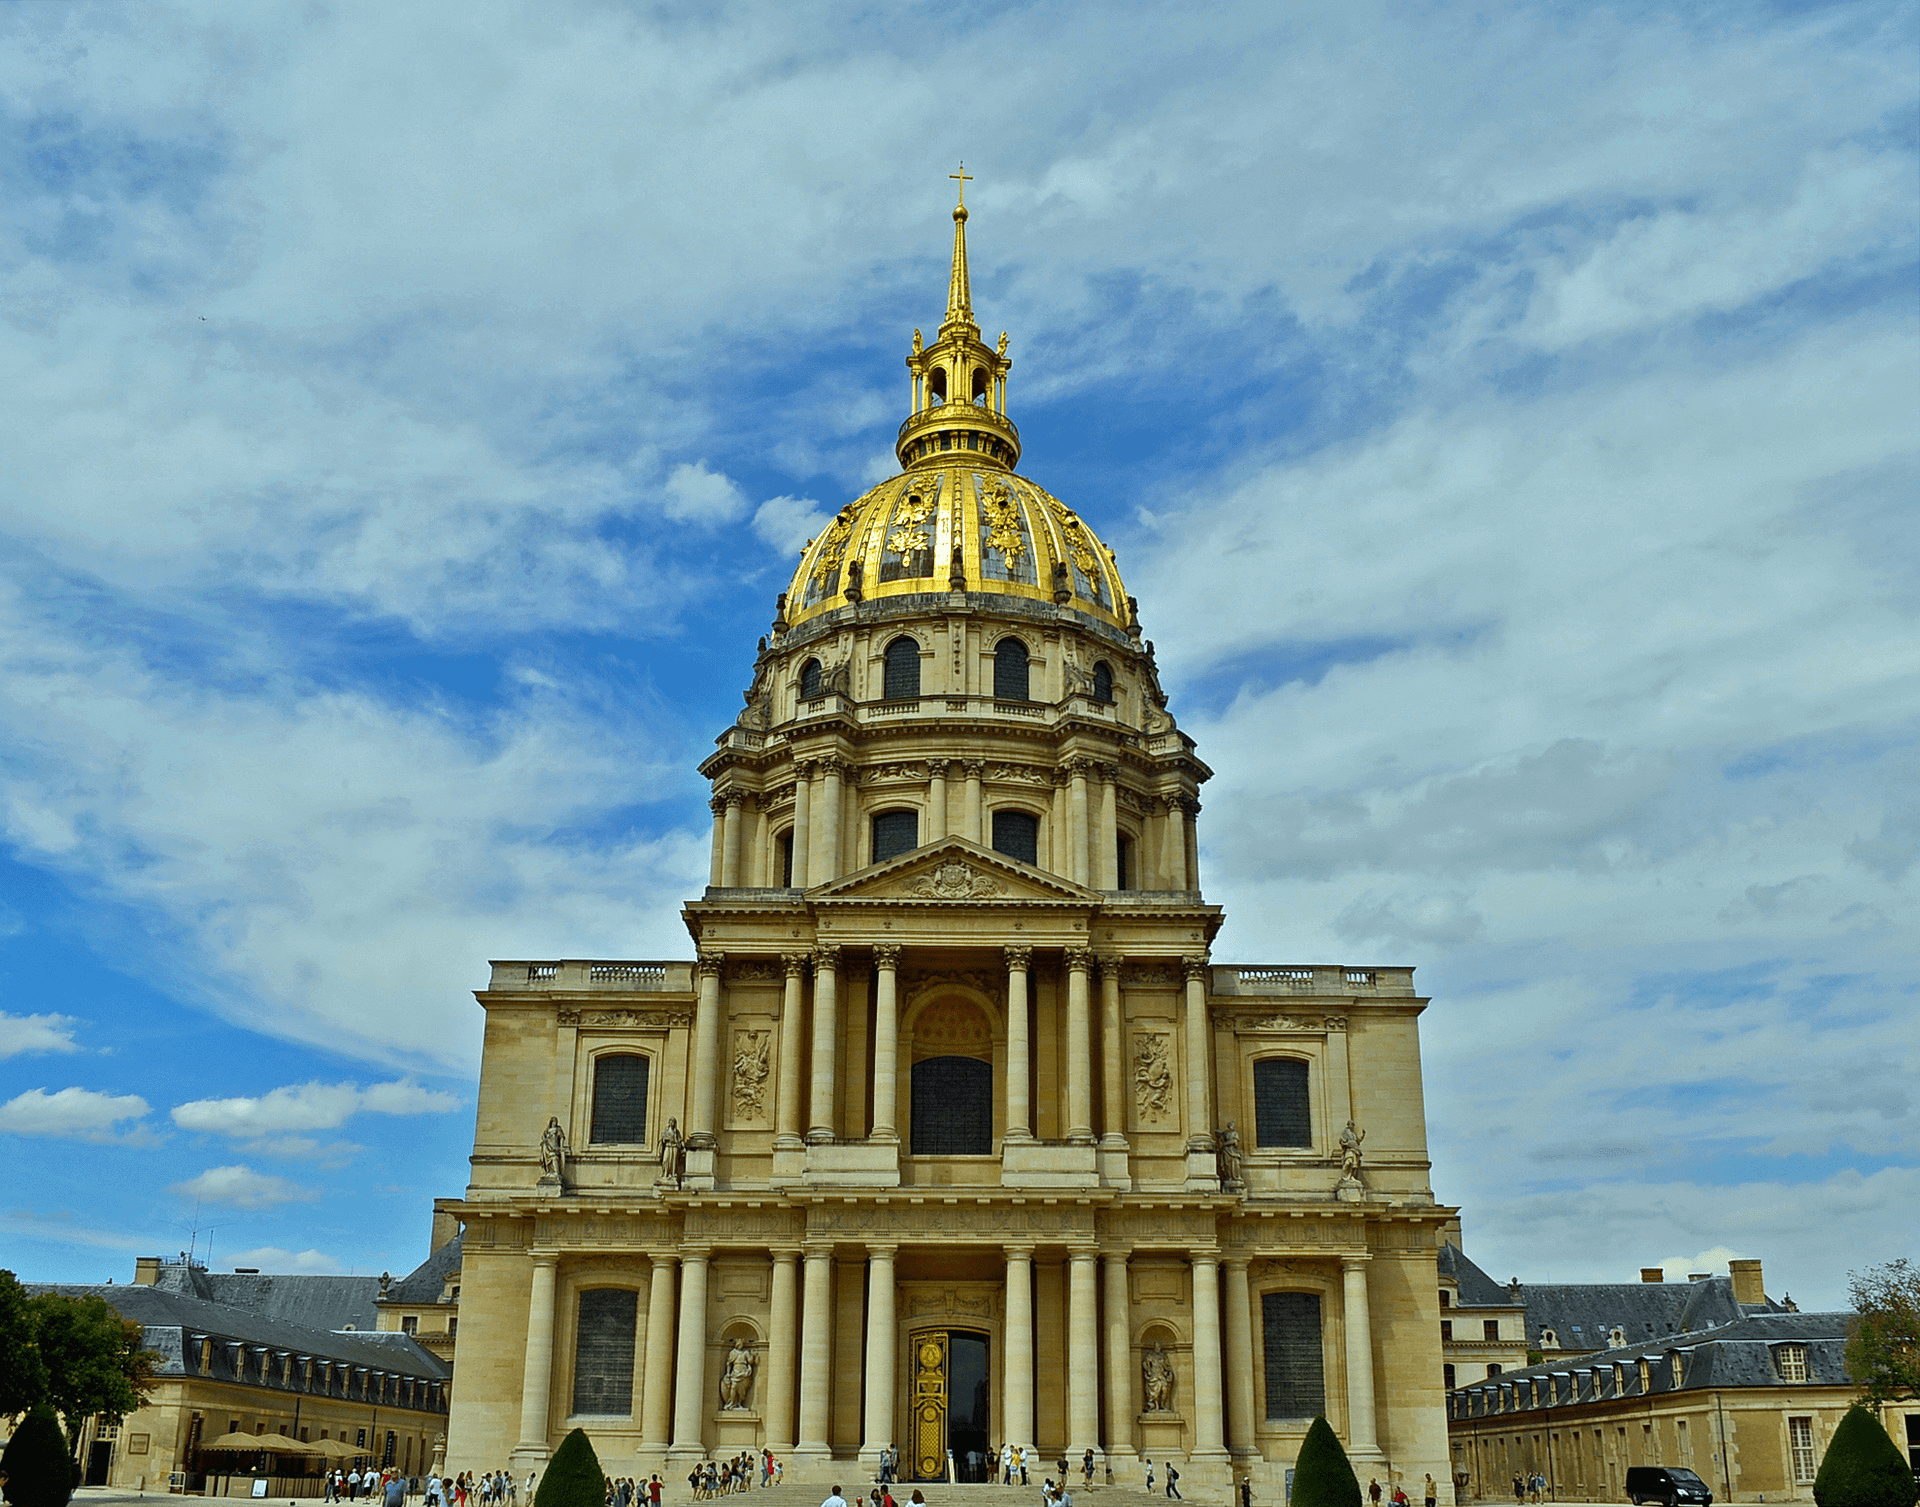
(603, 1352)
(980, 386)
(1017, 834)
(937, 384)
(1122, 862)
(1281, 1114)
(1010, 670)
(619, 1100)
(902, 678)
(810, 679)
(952, 1107)
(1103, 681)
(786, 860)
(895, 832)
(1290, 1335)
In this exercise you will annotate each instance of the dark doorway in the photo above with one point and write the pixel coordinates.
(969, 1405)
(99, 1462)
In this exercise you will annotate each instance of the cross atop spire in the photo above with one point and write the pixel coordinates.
(959, 286)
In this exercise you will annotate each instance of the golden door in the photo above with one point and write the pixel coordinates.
(929, 1452)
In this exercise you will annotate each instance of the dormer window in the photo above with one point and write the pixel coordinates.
(1791, 1362)
(1675, 1366)
(1549, 1340)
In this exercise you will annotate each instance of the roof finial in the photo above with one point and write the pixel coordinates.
(959, 287)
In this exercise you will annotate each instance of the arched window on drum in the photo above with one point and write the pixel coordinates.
(1017, 834)
(1011, 673)
(1102, 681)
(810, 680)
(901, 678)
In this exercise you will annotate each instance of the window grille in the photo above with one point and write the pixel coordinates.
(1290, 1333)
(1017, 834)
(603, 1352)
(1800, 1443)
(1281, 1111)
(952, 1107)
(619, 1100)
(901, 681)
(1103, 681)
(1011, 678)
(894, 833)
(1792, 1362)
(810, 679)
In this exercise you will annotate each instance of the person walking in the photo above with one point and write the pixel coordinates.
(834, 1499)
(1086, 1469)
(1173, 1484)
(1246, 1491)
(1373, 1492)
(1149, 1475)
(396, 1493)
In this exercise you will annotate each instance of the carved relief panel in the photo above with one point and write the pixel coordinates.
(749, 1064)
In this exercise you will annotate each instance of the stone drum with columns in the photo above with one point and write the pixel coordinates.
(920, 1149)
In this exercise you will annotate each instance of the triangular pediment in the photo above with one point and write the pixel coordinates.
(957, 871)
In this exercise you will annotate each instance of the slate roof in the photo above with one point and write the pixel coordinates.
(1740, 1353)
(1477, 1289)
(1582, 1315)
(316, 1302)
(426, 1282)
(170, 1316)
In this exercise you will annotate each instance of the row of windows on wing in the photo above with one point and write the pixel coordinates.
(1292, 1345)
(900, 676)
(952, 1111)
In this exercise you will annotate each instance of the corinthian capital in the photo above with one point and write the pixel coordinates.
(886, 955)
(1079, 960)
(708, 962)
(1019, 959)
(826, 957)
(795, 963)
(1196, 965)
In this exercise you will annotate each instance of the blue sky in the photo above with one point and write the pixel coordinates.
(1506, 416)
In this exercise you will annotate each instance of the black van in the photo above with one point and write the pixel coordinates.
(1669, 1485)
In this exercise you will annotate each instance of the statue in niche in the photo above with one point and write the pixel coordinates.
(553, 1152)
(736, 1382)
(1350, 1140)
(1227, 1150)
(1156, 1379)
(672, 1143)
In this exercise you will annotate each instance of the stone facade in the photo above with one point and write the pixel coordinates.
(951, 1134)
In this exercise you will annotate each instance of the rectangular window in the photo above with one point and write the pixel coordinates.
(1800, 1444)
(603, 1352)
(1446, 1298)
(1280, 1109)
(410, 1324)
(1490, 1329)
(1448, 1372)
(1446, 1329)
(1290, 1335)
(1792, 1360)
(619, 1100)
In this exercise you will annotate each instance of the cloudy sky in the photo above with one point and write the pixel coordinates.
(1506, 416)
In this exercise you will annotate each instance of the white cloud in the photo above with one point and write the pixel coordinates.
(697, 495)
(20, 1034)
(309, 1106)
(74, 1113)
(241, 1187)
(787, 523)
(274, 1258)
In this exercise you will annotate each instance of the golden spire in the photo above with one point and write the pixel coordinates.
(959, 286)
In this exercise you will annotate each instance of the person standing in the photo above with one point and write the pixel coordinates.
(834, 1499)
(1373, 1492)
(396, 1493)
(1433, 1491)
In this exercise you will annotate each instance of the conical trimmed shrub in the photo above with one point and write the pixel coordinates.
(1322, 1474)
(1863, 1467)
(39, 1471)
(573, 1477)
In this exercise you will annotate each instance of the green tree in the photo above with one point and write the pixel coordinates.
(1322, 1474)
(39, 1471)
(573, 1477)
(91, 1356)
(1883, 1342)
(23, 1379)
(1863, 1468)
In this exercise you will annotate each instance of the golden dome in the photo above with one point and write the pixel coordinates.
(958, 518)
(958, 527)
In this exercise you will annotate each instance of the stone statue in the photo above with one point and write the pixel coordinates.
(1156, 1379)
(1350, 1140)
(736, 1382)
(856, 571)
(916, 343)
(1227, 1150)
(553, 1152)
(671, 1145)
(957, 572)
(1003, 343)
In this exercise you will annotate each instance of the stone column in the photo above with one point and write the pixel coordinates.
(1077, 821)
(1079, 1049)
(1083, 1351)
(1120, 1371)
(736, 821)
(786, 1115)
(1207, 1441)
(1199, 1048)
(1016, 1395)
(830, 820)
(816, 1340)
(690, 1379)
(1362, 1428)
(783, 1351)
(878, 1431)
(759, 848)
(1019, 1121)
(1113, 1070)
(1107, 843)
(1240, 1358)
(1190, 841)
(536, 1377)
(975, 817)
(826, 1033)
(1173, 853)
(656, 1404)
(802, 824)
(936, 799)
(706, 1051)
(718, 807)
(886, 1042)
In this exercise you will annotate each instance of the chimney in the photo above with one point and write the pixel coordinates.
(1653, 1274)
(1747, 1284)
(445, 1227)
(1698, 1276)
(146, 1271)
